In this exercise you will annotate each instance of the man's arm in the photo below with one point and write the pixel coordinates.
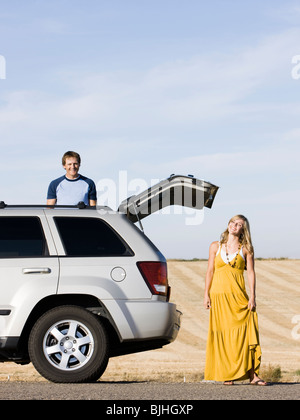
(51, 193)
(92, 193)
(51, 201)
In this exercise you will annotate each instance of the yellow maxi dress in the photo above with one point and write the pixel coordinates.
(233, 338)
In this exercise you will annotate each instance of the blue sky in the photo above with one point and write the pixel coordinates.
(155, 88)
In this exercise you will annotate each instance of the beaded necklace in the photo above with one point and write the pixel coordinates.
(234, 261)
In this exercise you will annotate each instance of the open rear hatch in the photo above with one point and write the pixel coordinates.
(179, 190)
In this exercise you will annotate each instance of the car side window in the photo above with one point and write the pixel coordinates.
(90, 237)
(22, 237)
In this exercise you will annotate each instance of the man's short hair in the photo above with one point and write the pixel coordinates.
(71, 154)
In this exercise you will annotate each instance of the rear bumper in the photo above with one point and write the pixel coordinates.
(152, 329)
(158, 319)
(145, 319)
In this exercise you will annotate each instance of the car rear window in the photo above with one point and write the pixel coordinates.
(90, 237)
(21, 237)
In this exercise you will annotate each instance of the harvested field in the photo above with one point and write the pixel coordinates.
(278, 307)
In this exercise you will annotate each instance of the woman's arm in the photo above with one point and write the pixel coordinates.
(209, 273)
(251, 279)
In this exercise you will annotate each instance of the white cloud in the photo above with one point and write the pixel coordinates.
(183, 92)
(279, 161)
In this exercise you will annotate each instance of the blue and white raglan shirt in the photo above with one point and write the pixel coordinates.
(71, 191)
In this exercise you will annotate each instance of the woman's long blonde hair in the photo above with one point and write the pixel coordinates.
(245, 237)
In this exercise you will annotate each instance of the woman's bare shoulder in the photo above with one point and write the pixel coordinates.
(246, 251)
(214, 245)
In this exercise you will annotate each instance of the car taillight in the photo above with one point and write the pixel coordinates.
(156, 276)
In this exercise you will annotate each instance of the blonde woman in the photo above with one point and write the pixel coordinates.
(233, 351)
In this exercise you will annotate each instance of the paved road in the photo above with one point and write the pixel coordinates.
(147, 391)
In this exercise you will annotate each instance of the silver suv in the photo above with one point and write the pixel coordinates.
(80, 285)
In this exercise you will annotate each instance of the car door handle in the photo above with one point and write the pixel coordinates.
(43, 270)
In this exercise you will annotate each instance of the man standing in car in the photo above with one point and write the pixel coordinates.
(72, 187)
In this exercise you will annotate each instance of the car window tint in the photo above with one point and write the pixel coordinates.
(21, 237)
(91, 237)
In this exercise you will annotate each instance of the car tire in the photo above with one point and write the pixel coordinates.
(69, 344)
